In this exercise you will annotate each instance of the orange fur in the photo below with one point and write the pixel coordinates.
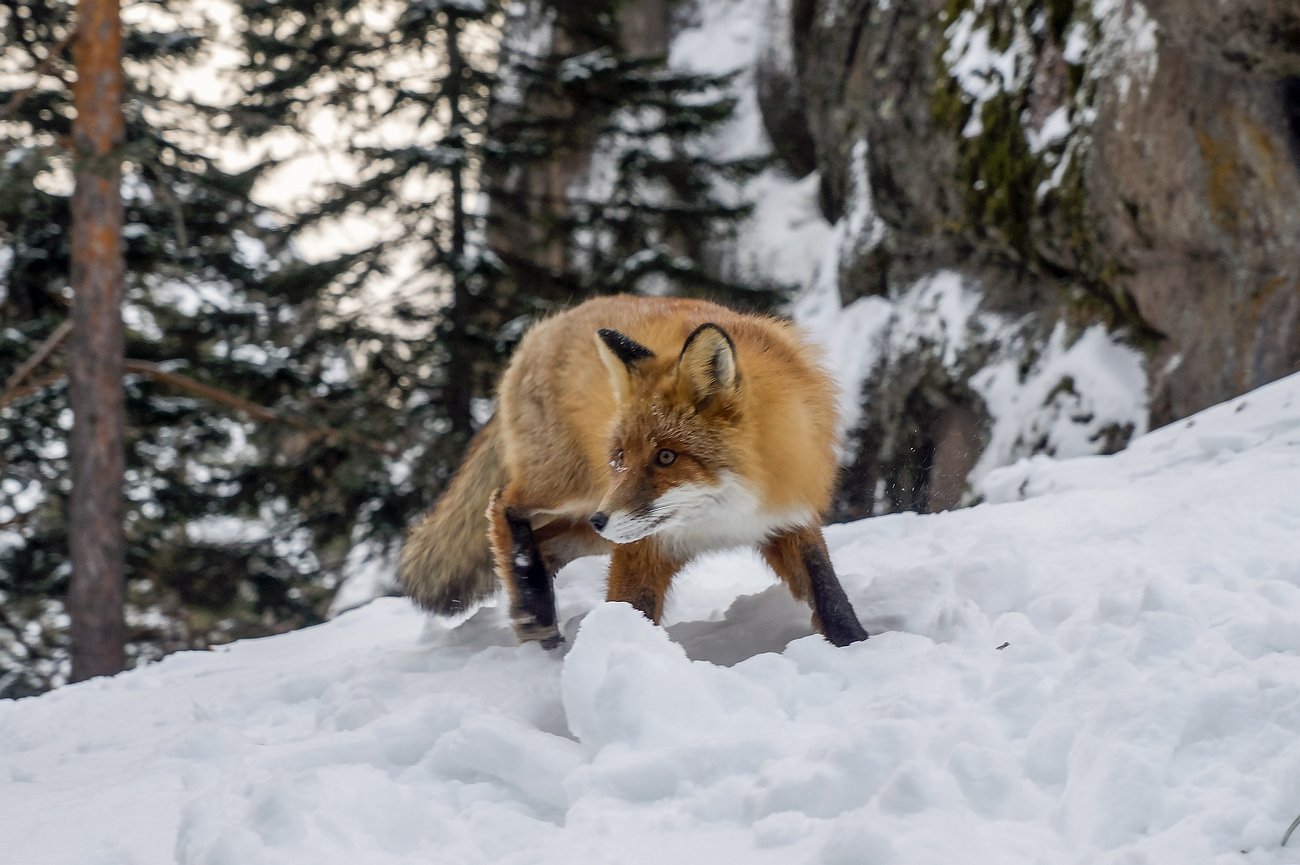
(559, 407)
(690, 426)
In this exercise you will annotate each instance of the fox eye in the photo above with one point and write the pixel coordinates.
(665, 457)
(616, 459)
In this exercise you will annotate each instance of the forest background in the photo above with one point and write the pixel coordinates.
(337, 218)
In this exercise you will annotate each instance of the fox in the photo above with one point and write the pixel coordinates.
(651, 429)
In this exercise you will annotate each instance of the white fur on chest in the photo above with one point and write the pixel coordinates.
(717, 517)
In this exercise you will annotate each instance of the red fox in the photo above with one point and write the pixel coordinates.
(654, 429)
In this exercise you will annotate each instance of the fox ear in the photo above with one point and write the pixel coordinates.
(707, 366)
(620, 354)
(623, 347)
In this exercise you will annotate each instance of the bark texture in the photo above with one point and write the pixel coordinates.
(96, 593)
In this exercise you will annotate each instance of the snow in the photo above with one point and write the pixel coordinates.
(1076, 43)
(528, 30)
(369, 571)
(584, 66)
(725, 37)
(1127, 51)
(865, 227)
(1115, 41)
(783, 239)
(854, 337)
(21, 498)
(224, 529)
(1066, 402)
(1099, 664)
(786, 241)
(981, 70)
(1068, 396)
(1055, 128)
(784, 236)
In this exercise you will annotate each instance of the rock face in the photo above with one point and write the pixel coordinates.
(1110, 161)
(1254, 37)
(1050, 224)
(1202, 175)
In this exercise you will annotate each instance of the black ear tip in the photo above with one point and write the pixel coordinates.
(624, 347)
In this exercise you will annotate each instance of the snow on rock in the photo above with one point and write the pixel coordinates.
(855, 337)
(783, 238)
(981, 70)
(1077, 394)
(1071, 396)
(1076, 398)
(1266, 418)
(1100, 664)
(1127, 48)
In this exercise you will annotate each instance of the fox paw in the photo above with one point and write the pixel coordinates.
(842, 630)
(528, 630)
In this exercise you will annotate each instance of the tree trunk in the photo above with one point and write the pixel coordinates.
(459, 313)
(96, 594)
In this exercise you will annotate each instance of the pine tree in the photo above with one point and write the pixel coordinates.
(653, 202)
(301, 382)
(441, 118)
(227, 455)
(408, 83)
(434, 112)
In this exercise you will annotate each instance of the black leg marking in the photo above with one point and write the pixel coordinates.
(839, 623)
(533, 612)
(644, 601)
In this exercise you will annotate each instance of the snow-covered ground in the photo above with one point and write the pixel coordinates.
(1101, 664)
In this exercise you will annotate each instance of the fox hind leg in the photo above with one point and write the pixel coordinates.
(522, 570)
(801, 560)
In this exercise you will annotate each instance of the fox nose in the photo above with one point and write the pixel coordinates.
(598, 520)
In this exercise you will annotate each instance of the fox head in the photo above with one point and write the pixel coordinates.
(674, 449)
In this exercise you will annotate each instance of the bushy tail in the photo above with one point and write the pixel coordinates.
(446, 563)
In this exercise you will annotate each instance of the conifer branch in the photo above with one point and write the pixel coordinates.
(15, 390)
(38, 384)
(16, 101)
(254, 410)
(15, 630)
(32, 363)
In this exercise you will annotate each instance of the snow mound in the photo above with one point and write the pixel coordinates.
(1099, 664)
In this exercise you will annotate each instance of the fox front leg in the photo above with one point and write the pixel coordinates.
(522, 570)
(640, 574)
(800, 559)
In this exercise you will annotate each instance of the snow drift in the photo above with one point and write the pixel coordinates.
(1101, 663)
